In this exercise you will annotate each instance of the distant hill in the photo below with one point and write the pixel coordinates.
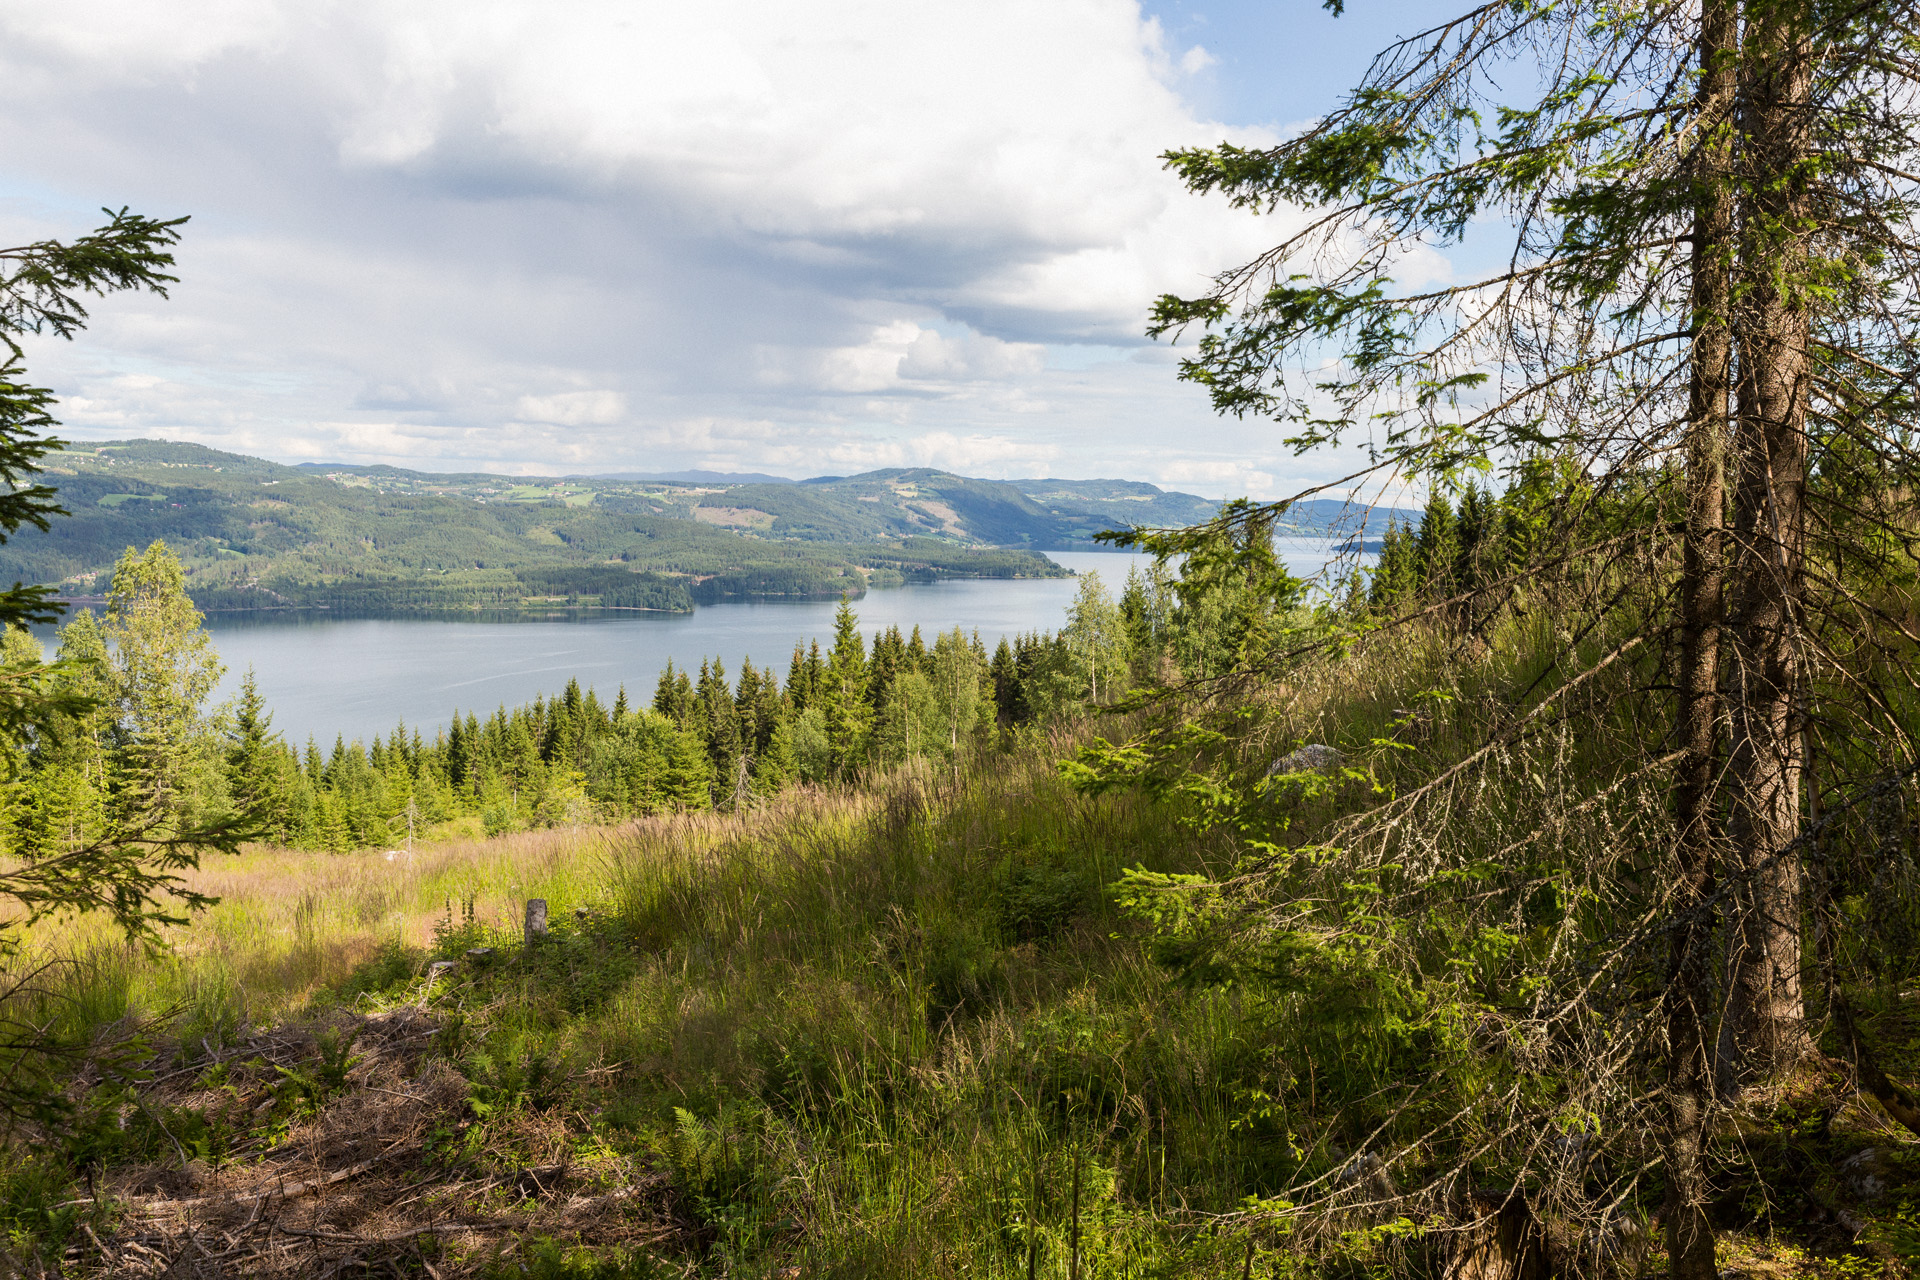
(692, 477)
(1335, 517)
(889, 504)
(260, 534)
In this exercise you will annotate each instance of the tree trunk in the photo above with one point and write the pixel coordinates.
(1504, 1240)
(1690, 993)
(1762, 1032)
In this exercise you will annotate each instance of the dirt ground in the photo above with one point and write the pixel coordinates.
(375, 1180)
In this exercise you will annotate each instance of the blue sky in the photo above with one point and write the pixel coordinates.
(579, 235)
(1280, 63)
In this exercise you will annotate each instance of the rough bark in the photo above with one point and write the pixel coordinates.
(1502, 1241)
(1872, 1077)
(1762, 1031)
(1690, 986)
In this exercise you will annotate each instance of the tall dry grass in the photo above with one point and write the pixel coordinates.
(875, 1032)
(290, 924)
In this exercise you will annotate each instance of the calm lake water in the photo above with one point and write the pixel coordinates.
(358, 677)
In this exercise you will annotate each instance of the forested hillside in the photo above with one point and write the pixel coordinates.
(257, 535)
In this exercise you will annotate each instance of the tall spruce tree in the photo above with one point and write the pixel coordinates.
(1704, 313)
(844, 691)
(129, 869)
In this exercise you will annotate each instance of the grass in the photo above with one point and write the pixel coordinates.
(864, 1030)
(902, 1030)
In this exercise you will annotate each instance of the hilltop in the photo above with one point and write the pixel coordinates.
(259, 534)
(893, 503)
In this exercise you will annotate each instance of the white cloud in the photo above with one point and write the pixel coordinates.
(902, 356)
(570, 232)
(970, 357)
(574, 408)
(1219, 478)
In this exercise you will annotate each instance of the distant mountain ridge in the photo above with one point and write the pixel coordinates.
(690, 477)
(256, 533)
(1051, 513)
(895, 502)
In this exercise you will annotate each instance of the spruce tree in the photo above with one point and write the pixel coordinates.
(255, 763)
(1436, 547)
(844, 691)
(1703, 306)
(1005, 683)
(799, 688)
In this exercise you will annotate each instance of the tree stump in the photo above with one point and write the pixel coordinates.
(1503, 1240)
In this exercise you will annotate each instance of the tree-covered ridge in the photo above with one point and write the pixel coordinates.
(254, 534)
(889, 503)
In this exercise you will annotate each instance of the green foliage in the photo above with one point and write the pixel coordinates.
(1098, 640)
(1033, 900)
(34, 1213)
(550, 1260)
(257, 535)
(308, 1086)
(41, 290)
(123, 790)
(100, 825)
(163, 670)
(394, 967)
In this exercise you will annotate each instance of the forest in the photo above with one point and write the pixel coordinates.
(702, 742)
(258, 535)
(1538, 901)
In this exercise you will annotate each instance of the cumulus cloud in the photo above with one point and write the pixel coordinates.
(549, 234)
(574, 408)
(933, 356)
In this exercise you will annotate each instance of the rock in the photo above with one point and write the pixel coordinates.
(1864, 1173)
(479, 955)
(1368, 1172)
(1315, 757)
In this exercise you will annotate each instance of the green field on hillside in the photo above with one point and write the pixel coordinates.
(257, 535)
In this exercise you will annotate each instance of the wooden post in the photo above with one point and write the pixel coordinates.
(1033, 1222)
(1073, 1257)
(536, 920)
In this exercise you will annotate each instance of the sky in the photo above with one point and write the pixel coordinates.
(567, 236)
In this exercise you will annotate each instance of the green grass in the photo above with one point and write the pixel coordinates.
(888, 1031)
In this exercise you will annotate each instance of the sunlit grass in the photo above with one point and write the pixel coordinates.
(876, 1031)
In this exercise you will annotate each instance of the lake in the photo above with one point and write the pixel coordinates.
(357, 677)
